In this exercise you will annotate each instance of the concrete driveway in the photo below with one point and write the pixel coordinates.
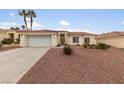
(15, 63)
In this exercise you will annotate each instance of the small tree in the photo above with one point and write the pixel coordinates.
(12, 28)
(17, 28)
(23, 27)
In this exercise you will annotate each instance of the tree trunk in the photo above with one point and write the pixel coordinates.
(31, 20)
(25, 23)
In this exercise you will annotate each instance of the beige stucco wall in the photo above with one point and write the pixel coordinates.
(81, 39)
(16, 35)
(54, 40)
(71, 40)
(23, 40)
(3, 35)
(114, 41)
(92, 39)
(68, 40)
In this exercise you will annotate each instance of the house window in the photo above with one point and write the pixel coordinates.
(75, 39)
(87, 40)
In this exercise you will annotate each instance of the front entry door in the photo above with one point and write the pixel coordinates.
(62, 39)
(12, 36)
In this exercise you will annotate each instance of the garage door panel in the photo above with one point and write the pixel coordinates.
(39, 41)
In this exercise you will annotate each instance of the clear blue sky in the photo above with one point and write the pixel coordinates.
(96, 21)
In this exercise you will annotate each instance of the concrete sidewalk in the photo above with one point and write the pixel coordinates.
(15, 63)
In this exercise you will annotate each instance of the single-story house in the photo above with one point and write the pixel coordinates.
(7, 33)
(115, 39)
(40, 38)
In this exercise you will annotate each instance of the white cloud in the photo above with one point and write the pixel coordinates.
(76, 30)
(68, 29)
(64, 26)
(123, 22)
(27, 18)
(36, 25)
(88, 24)
(7, 25)
(61, 28)
(64, 23)
(12, 14)
(79, 30)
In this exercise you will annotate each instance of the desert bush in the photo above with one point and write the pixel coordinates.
(7, 41)
(17, 41)
(92, 46)
(65, 44)
(86, 45)
(1, 44)
(58, 45)
(67, 50)
(102, 46)
(77, 45)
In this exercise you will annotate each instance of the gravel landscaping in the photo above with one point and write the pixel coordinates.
(84, 66)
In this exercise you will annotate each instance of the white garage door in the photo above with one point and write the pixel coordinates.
(39, 41)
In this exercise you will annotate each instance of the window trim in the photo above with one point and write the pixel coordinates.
(86, 39)
(74, 40)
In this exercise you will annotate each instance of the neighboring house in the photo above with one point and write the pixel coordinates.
(115, 39)
(7, 33)
(39, 38)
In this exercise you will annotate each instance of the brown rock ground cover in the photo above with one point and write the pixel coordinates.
(84, 66)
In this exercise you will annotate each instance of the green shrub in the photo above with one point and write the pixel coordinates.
(1, 44)
(7, 41)
(67, 50)
(102, 46)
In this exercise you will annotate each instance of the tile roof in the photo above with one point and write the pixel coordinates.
(80, 33)
(40, 31)
(5, 30)
(69, 33)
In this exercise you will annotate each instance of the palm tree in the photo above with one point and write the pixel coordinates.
(23, 27)
(31, 15)
(24, 13)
